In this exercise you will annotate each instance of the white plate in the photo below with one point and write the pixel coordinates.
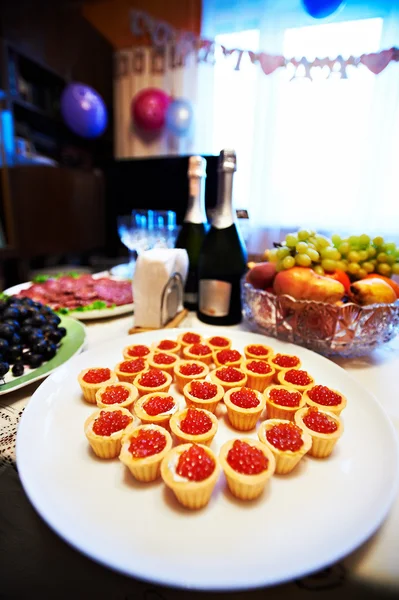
(102, 313)
(303, 522)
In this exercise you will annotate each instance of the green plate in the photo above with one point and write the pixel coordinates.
(71, 344)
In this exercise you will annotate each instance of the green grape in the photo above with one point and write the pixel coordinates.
(279, 266)
(362, 273)
(312, 233)
(382, 257)
(303, 234)
(282, 252)
(313, 247)
(353, 268)
(353, 257)
(344, 248)
(312, 240)
(322, 241)
(364, 240)
(288, 262)
(368, 266)
(336, 239)
(353, 241)
(391, 259)
(342, 265)
(390, 247)
(329, 265)
(301, 247)
(384, 269)
(330, 252)
(272, 255)
(395, 269)
(303, 260)
(291, 240)
(378, 241)
(319, 270)
(314, 255)
(363, 255)
(371, 252)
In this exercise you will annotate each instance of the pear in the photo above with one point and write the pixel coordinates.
(261, 275)
(372, 291)
(303, 283)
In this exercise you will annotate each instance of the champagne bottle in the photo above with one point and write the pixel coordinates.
(194, 227)
(223, 257)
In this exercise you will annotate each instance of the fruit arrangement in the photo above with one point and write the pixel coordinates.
(29, 335)
(310, 266)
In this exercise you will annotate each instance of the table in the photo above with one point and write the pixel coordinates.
(34, 561)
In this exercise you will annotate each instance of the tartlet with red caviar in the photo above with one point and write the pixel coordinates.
(203, 394)
(143, 449)
(166, 361)
(136, 351)
(189, 370)
(324, 428)
(105, 429)
(284, 362)
(288, 443)
(189, 338)
(282, 402)
(194, 425)
(247, 465)
(325, 398)
(218, 342)
(167, 345)
(90, 381)
(156, 408)
(191, 472)
(120, 394)
(151, 381)
(244, 407)
(127, 370)
(297, 379)
(227, 357)
(259, 373)
(258, 352)
(201, 352)
(229, 377)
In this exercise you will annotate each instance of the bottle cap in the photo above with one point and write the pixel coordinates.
(227, 160)
(196, 166)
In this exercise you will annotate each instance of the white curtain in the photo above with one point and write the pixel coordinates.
(140, 68)
(321, 153)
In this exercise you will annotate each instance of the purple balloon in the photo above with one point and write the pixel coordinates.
(83, 110)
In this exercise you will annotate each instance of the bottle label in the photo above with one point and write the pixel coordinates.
(214, 297)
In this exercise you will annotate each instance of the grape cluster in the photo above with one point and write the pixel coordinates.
(356, 255)
(29, 334)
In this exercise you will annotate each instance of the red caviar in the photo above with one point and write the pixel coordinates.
(219, 341)
(285, 436)
(285, 397)
(138, 350)
(164, 359)
(200, 349)
(260, 367)
(152, 378)
(157, 405)
(286, 361)
(246, 459)
(257, 350)
(319, 422)
(97, 375)
(195, 464)
(191, 369)
(196, 422)
(244, 398)
(323, 395)
(297, 377)
(132, 366)
(110, 422)
(147, 443)
(191, 338)
(228, 356)
(114, 394)
(203, 390)
(229, 374)
(167, 344)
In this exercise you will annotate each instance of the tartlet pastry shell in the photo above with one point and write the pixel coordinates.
(106, 446)
(207, 359)
(243, 419)
(128, 403)
(144, 469)
(257, 381)
(286, 460)
(300, 388)
(185, 438)
(228, 385)
(210, 404)
(128, 377)
(276, 411)
(336, 410)
(182, 380)
(162, 419)
(322, 443)
(89, 389)
(143, 390)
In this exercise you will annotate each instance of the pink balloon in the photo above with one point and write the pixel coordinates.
(149, 109)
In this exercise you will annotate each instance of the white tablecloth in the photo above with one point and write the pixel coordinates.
(376, 563)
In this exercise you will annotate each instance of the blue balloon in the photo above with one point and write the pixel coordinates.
(320, 9)
(83, 110)
(179, 117)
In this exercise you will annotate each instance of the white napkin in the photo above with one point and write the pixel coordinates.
(158, 284)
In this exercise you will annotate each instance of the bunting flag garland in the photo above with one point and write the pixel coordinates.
(181, 44)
